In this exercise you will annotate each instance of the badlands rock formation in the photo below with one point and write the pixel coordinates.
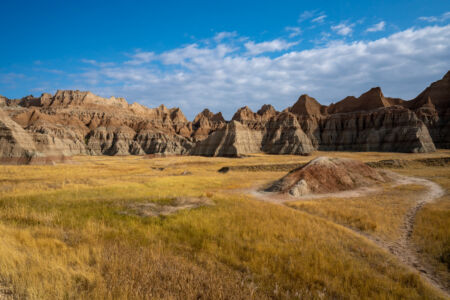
(249, 132)
(205, 123)
(18, 147)
(432, 106)
(327, 175)
(73, 123)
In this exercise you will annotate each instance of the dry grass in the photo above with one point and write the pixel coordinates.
(380, 214)
(63, 236)
(431, 231)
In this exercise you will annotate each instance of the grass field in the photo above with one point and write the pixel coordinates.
(64, 234)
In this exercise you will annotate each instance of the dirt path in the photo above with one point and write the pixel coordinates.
(403, 248)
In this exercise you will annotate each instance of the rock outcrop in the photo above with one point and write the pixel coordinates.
(265, 131)
(371, 122)
(205, 123)
(391, 129)
(432, 106)
(74, 123)
(328, 175)
(17, 146)
(284, 135)
(234, 140)
(308, 106)
(81, 123)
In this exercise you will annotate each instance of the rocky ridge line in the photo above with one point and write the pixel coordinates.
(74, 122)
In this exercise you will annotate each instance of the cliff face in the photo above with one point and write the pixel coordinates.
(51, 127)
(392, 129)
(73, 122)
(265, 131)
(284, 135)
(432, 106)
(205, 123)
(234, 140)
(18, 147)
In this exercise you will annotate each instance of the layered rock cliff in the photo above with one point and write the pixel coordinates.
(18, 147)
(73, 122)
(392, 129)
(205, 123)
(234, 140)
(81, 123)
(432, 106)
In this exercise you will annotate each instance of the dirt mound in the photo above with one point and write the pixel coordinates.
(328, 175)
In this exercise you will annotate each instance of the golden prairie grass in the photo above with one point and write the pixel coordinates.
(64, 238)
(432, 229)
(380, 213)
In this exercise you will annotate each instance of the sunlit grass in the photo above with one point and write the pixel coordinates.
(431, 231)
(380, 213)
(63, 235)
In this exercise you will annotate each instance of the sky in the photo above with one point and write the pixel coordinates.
(223, 55)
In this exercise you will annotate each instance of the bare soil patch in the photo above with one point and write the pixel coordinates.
(151, 209)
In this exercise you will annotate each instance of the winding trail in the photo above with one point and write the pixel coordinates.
(403, 248)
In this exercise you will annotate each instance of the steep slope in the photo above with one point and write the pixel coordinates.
(391, 129)
(309, 106)
(370, 100)
(18, 147)
(205, 123)
(74, 122)
(432, 106)
(284, 135)
(265, 131)
(234, 140)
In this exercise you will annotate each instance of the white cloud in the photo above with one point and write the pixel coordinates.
(269, 46)
(141, 58)
(294, 31)
(223, 79)
(307, 14)
(434, 19)
(319, 19)
(224, 35)
(195, 54)
(343, 29)
(377, 27)
(313, 15)
(96, 63)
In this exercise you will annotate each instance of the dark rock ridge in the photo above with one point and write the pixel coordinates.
(52, 127)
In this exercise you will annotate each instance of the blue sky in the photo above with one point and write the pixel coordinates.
(223, 54)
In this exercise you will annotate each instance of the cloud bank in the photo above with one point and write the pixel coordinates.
(227, 71)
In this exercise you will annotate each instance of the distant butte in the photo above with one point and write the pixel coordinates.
(51, 128)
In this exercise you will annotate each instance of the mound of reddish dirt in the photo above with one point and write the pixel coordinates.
(328, 175)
